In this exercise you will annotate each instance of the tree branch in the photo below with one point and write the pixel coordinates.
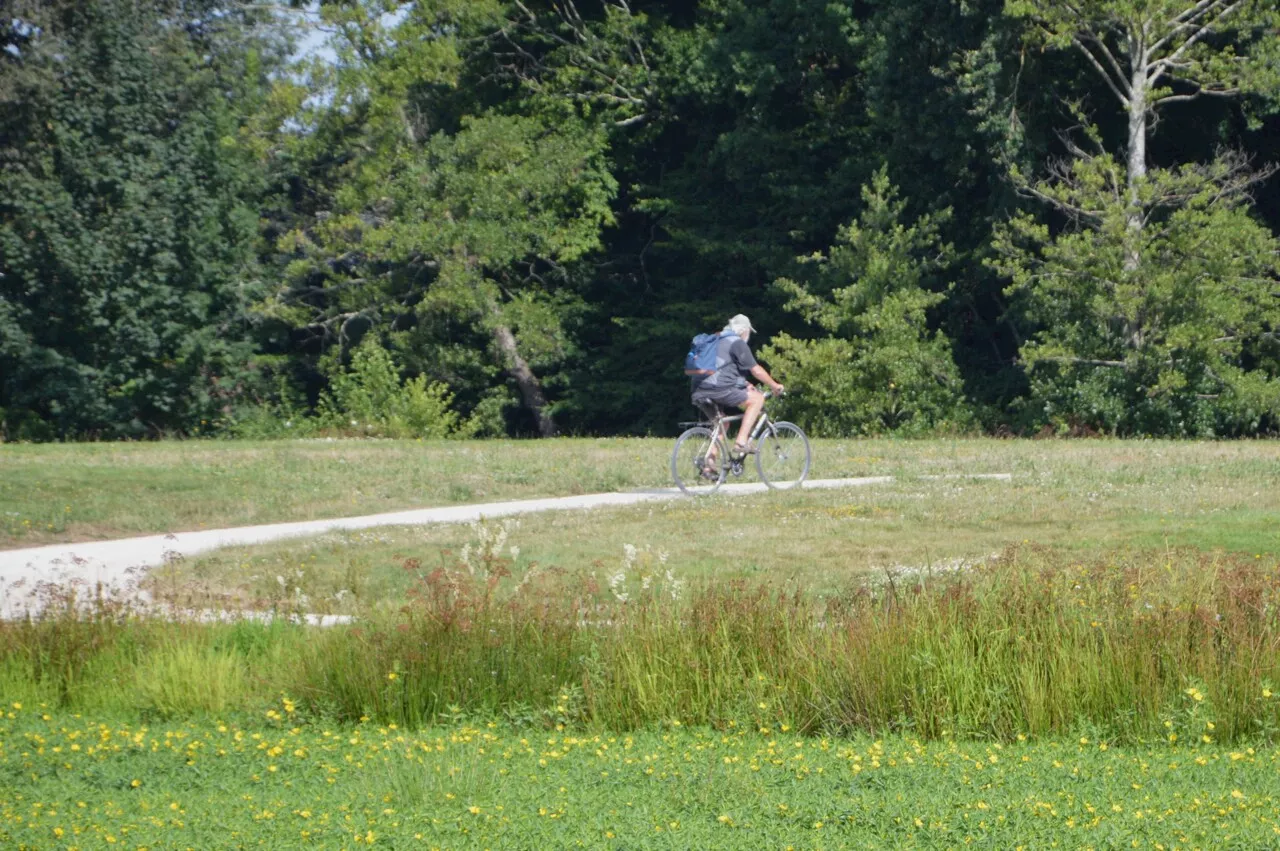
(1115, 65)
(1065, 206)
(1221, 93)
(1111, 84)
(1185, 21)
(1205, 29)
(1196, 11)
(1087, 362)
(1230, 338)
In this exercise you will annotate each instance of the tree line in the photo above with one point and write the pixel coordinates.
(489, 217)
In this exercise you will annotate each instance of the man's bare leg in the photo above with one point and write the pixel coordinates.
(750, 413)
(712, 462)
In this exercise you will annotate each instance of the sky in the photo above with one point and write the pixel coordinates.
(313, 36)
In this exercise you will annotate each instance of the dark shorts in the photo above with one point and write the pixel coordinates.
(725, 397)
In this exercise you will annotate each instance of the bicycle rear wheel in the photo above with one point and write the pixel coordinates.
(783, 456)
(696, 450)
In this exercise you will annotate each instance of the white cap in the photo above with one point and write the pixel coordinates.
(741, 323)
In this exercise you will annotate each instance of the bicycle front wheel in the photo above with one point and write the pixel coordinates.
(783, 456)
(697, 452)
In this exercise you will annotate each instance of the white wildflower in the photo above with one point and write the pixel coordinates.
(675, 586)
(615, 582)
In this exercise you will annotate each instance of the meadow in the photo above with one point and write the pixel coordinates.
(1087, 653)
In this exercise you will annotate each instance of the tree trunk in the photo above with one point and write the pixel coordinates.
(530, 388)
(1137, 164)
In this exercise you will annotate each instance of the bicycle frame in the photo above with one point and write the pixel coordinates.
(719, 426)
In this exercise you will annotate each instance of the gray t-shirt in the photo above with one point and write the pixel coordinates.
(734, 362)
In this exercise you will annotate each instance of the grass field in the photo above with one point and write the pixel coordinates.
(69, 782)
(1086, 497)
(820, 669)
(1219, 493)
(73, 492)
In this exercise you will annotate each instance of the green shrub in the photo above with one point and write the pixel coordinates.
(368, 396)
(283, 414)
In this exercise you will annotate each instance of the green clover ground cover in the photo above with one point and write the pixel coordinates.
(70, 782)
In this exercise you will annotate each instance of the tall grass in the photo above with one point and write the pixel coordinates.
(1025, 645)
(1133, 647)
(189, 677)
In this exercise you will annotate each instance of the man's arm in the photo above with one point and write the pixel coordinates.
(759, 373)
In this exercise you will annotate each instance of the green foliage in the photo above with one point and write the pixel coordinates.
(536, 203)
(449, 228)
(1155, 330)
(881, 369)
(1177, 49)
(128, 222)
(280, 414)
(1153, 305)
(368, 397)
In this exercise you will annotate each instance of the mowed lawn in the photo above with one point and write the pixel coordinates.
(91, 491)
(1090, 497)
(1216, 492)
(68, 782)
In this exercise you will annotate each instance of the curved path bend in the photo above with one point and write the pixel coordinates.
(116, 565)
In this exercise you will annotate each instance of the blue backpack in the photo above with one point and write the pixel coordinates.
(701, 359)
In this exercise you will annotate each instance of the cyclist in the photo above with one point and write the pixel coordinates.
(727, 385)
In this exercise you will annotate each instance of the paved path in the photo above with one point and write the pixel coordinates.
(117, 564)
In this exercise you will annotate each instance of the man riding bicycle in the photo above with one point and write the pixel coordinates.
(727, 385)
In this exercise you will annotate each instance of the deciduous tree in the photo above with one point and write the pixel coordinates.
(128, 214)
(438, 221)
(1155, 294)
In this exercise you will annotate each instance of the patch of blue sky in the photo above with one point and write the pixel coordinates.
(20, 30)
(314, 45)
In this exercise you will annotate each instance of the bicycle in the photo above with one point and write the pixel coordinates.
(700, 461)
